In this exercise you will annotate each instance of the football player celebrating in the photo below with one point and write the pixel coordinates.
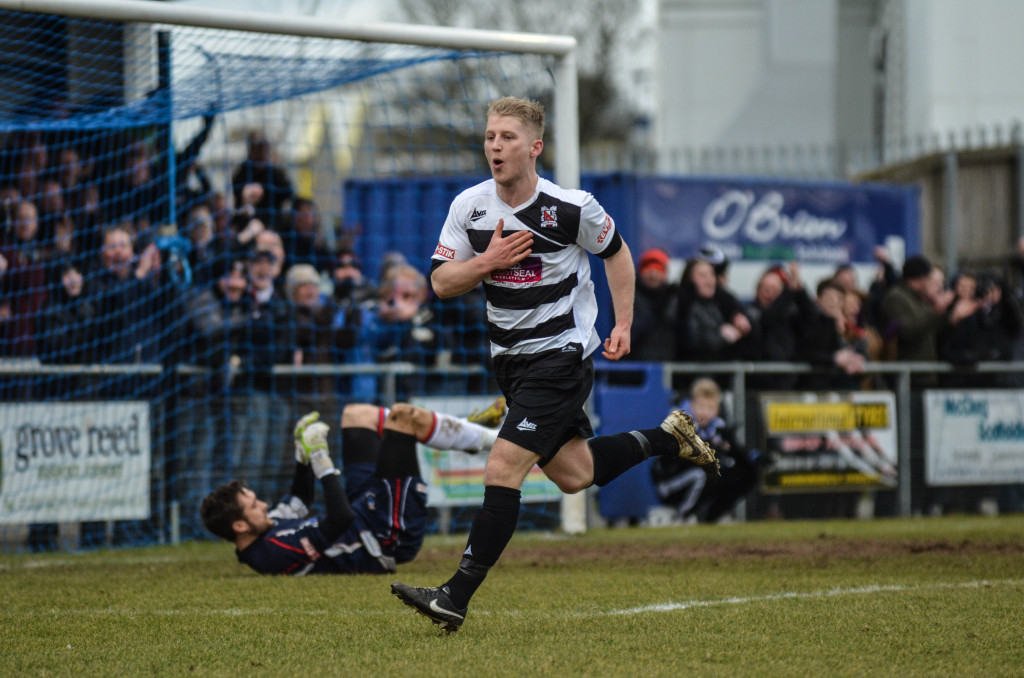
(528, 241)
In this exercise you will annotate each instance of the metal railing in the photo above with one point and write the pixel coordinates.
(738, 373)
(902, 372)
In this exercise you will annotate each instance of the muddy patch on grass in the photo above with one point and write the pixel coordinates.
(824, 548)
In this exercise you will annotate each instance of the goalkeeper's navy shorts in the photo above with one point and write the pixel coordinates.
(394, 509)
(546, 394)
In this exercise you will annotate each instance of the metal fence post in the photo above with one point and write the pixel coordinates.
(951, 208)
(903, 396)
(739, 399)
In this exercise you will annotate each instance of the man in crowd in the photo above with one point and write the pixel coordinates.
(654, 316)
(913, 312)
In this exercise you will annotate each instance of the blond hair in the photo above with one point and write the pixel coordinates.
(706, 388)
(397, 271)
(526, 111)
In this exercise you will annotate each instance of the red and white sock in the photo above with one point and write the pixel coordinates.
(454, 433)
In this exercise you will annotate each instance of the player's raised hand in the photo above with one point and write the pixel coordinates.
(301, 453)
(314, 440)
(505, 252)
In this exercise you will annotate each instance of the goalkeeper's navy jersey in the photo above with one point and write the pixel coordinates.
(389, 526)
(547, 300)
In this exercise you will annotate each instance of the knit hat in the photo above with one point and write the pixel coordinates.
(916, 267)
(300, 274)
(653, 258)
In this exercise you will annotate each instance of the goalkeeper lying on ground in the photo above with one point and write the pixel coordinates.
(376, 521)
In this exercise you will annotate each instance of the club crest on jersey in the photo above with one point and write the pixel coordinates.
(549, 217)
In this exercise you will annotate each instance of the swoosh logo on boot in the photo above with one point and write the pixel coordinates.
(437, 608)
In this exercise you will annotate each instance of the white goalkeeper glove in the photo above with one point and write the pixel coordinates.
(301, 455)
(314, 444)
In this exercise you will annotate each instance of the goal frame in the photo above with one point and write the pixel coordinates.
(561, 47)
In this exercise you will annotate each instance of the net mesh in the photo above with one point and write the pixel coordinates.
(186, 215)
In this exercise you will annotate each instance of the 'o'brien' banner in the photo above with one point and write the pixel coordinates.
(68, 462)
(764, 220)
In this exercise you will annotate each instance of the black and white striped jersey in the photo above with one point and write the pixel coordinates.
(546, 301)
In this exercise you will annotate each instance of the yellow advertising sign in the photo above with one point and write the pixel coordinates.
(830, 441)
(793, 417)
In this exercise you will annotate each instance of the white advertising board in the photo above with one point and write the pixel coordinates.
(66, 462)
(974, 437)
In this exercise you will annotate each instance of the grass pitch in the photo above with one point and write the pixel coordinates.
(921, 597)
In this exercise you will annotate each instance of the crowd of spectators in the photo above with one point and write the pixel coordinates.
(92, 273)
(98, 266)
(833, 323)
(837, 326)
(85, 248)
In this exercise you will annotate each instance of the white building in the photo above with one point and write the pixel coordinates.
(853, 81)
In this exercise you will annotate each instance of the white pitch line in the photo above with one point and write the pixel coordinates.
(784, 595)
(660, 607)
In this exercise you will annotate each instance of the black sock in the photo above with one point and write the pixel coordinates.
(617, 453)
(397, 455)
(662, 442)
(491, 531)
(359, 446)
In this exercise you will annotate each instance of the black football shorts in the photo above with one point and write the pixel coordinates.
(546, 395)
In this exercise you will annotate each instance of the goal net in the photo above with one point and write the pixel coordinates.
(204, 226)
